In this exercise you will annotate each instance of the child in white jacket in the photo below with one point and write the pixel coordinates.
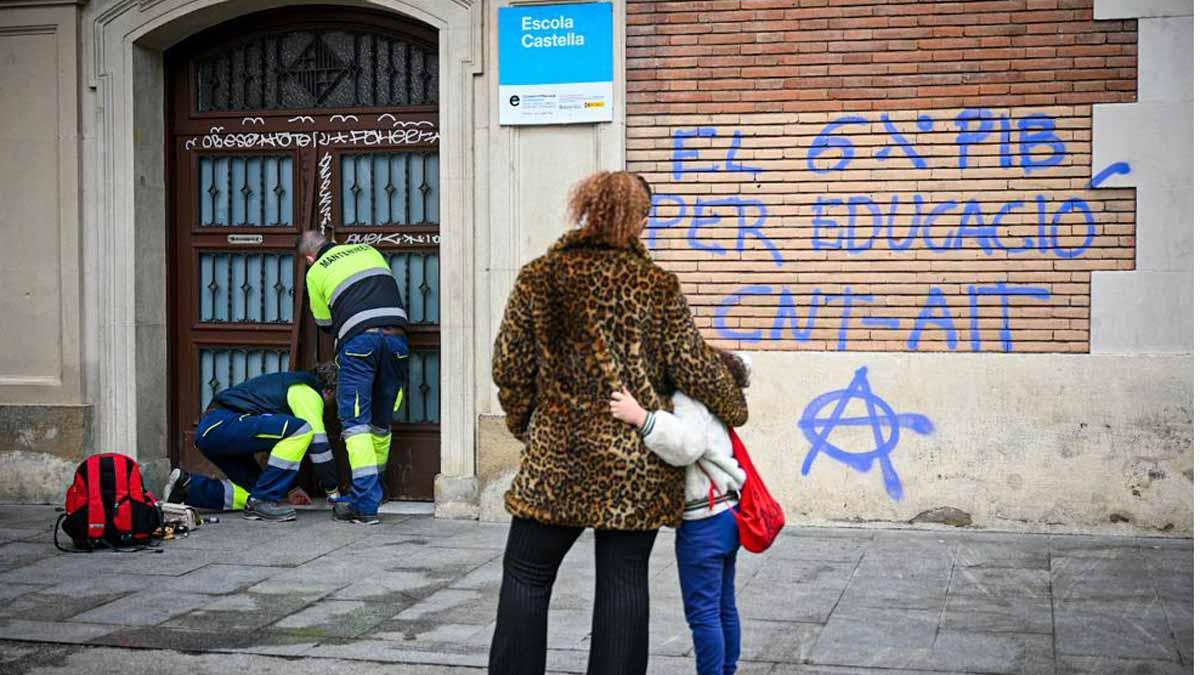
(706, 543)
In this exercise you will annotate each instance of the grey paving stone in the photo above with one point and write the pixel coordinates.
(411, 584)
(908, 557)
(27, 516)
(900, 639)
(103, 584)
(239, 613)
(1179, 586)
(815, 547)
(876, 638)
(1091, 665)
(10, 591)
(220, 579)
(1005, 614)
(335, 618)
(895, 566)
(812, 586)
(145, 608)
(1100, 578)
(1104, 548)
(677, 665)
(669, 632)
(486, 577)
(569, 629)
(460, 606)
(437, 532)
(883, 593)
(1001, 581)
(183, 639)
(452, 637)
(34, 534)
(778, 641)
(314, 587)
(1181, 561)
(64, 567)
(804, 604)
(1182, 620)
(19, 553)
(1122, 628)
(393, 652)
(1008, 554)
(44, 606)
(52, 631)
(992, 653)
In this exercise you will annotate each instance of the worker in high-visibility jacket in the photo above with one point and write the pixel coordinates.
(354, 296)
(279, 413)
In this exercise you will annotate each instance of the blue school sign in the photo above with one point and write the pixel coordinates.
(556, 63)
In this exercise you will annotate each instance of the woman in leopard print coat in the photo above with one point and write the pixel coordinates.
(592, 316)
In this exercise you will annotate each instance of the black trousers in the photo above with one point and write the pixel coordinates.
(621, 609)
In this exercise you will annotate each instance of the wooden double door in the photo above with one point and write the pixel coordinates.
(280, 122)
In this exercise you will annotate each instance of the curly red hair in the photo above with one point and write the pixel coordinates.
(611, 205)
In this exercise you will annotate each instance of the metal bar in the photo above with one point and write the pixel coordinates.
(245, 76)
(371, 189)
(374, 70)
(228, 287)
(354, 189)
(357, 100)
(408, 277)
(388, 162)
(228, 190)
(407, 186)
(212, 276)
(391, 71)
(262, 289)
(246, 288)
(262, 192)
(425, 288)
(246, 192)
(279, 74)
(262, 75)
(408, 82)
(279, 289)
(278, 192)
(424, 193)
(212, 195)
(425, 388)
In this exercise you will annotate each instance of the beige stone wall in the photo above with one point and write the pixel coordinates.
(45, 422)
(39, 190)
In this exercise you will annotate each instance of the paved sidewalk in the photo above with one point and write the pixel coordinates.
(422, 592)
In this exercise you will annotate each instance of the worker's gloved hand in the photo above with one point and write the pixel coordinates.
(298, 497)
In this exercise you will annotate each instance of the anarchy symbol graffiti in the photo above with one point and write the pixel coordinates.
(884, 422)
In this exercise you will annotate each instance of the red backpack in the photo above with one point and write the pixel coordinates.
(108, 505)
(759, 516)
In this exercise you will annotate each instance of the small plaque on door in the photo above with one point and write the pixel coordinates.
(244, 239)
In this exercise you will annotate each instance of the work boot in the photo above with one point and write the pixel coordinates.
(258, 509)
(343, 511)
(175, 491)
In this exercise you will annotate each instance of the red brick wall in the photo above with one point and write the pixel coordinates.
(962, 237)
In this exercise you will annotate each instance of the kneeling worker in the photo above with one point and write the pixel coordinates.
(280, 413)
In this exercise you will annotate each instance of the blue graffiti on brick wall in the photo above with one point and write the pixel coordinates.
(828, 412)
(858, 223)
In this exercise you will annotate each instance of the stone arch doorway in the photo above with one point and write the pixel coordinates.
(129, 195)
(284, 121)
